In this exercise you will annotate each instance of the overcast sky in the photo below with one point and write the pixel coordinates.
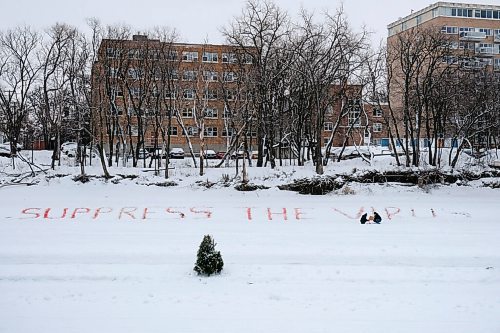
(196, 20)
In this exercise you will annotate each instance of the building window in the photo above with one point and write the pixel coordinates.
(116, 92)
(226, 114)
(229, 77)
(210, 131)
(487, 32)
(377, 112)
(135, 73)
(171, 56)
(484, 48)
(231, 94)
(173, 131)
(466, 46)
(328, 126)
(247, 59)
(171, 112)
(354, 118)
(187, 113)
(173, 74)
(113, 72)
(377, 127)
(135, 54)
(155, 92)
(188, 94)
(133, 130)
(169, 94)
(228, 132)
(210, 76)
(449, 30)
(190, 56)
(211, 94)
(135, 92)
(210, 57)
(191, 130)
(189, 75)
(461, 12)
(228, 58)
(354, 115)
(210, 113)
(111, 53)
(118, 110)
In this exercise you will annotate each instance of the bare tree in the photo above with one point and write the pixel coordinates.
(258, 33)
(18, 72)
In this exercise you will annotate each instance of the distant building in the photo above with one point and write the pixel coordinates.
(471, 38)
(141, 83)
(474, 27)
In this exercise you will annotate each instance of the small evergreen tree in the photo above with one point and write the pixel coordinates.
(208, 261)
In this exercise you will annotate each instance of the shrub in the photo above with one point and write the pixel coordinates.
(208, 260)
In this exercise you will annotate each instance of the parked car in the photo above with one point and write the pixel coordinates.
(71, 152)
(68, 146)
(7, 146)
(4, 151)
(239, 154)
(143, 153)
(210, 154)
(220, 155)
(160, 154)
(176, 153)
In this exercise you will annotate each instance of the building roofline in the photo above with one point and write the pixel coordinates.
(441, 4)
(178, 44)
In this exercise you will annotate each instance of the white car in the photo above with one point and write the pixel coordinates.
(210, 154)
(65, 147)
(143, 153)
(176, 153)
(6, 145)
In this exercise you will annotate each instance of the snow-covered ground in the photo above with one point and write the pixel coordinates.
(106, 257)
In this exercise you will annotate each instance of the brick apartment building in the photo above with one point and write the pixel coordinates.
(198, 78)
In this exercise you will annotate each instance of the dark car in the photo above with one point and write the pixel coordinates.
(220, 155)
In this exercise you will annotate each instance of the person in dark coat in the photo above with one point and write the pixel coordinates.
(377, 218)
(363, 218)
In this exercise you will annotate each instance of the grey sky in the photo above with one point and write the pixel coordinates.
(196, 20)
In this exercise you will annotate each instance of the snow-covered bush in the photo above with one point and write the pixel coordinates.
(208, 261)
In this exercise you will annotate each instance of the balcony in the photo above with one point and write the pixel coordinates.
(473, 64)
(472, 35)
(484, 51)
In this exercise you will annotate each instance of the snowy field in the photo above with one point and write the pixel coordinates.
(104, 257)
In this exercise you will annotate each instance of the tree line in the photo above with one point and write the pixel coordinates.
(50, 88)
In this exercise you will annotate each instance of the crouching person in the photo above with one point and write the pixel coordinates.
(376, 218)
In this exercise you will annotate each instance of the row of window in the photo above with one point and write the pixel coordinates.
(210, 131)
(476, 13)
(470, 62)
(209, 112)
(188, 75)
(186, 56)
(189, 94)
(377, 127)
(487, 32)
